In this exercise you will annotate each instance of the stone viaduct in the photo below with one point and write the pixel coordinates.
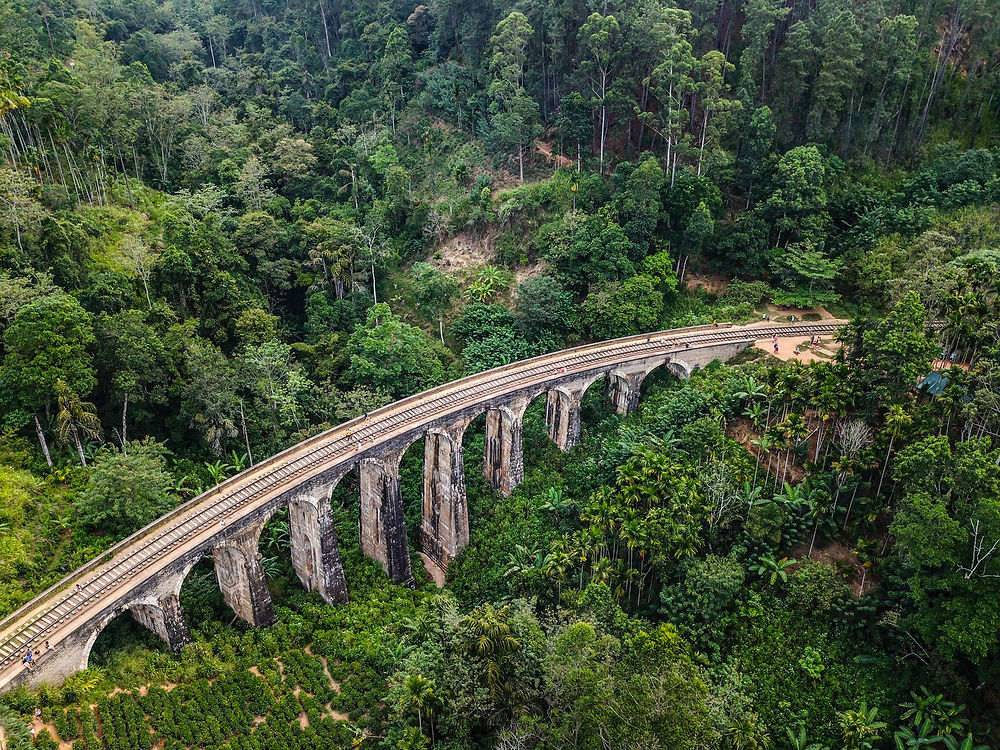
(144, 573)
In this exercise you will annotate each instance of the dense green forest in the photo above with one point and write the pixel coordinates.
(227, 226)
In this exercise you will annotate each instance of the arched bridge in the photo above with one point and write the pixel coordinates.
(143, 574)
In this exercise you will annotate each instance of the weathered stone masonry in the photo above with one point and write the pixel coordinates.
(444, 529)
(241, 577)
(315, 555)
(383, 528)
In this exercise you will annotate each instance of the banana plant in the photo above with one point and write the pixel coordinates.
(217, 470)
(907, 739)
(799, 741)
(768, 566)
(967, 743)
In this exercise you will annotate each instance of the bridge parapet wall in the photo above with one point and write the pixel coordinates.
(233, 515)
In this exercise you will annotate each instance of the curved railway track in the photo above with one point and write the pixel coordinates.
(196, 524)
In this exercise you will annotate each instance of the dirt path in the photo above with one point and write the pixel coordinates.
(807, 353)
(38, 725)
(799, 312)
(326, 668)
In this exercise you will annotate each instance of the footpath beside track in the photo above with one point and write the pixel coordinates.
(90, 595)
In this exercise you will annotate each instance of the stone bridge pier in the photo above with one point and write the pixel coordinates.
(562, 414)
(165, 618)
(503, 462)
(148, 586)
(241, 576)
(444, 528)
(383, 527)
(624, 387)
(315, 554)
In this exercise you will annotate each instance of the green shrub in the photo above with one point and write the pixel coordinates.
(814, 587)
(751, 293)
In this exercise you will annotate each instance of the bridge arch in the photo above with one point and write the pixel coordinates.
(132, 567)
(158, 610)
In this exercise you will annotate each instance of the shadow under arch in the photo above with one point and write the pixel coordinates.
(156, 620)
(667, 374)
(200, 596)
(115, 636)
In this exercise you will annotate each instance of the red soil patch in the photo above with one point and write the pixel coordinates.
(841, 558)
(545, 149)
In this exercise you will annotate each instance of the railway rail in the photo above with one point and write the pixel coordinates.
(197, 523)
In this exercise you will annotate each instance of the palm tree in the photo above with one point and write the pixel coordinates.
(820, 504)
(413, 739)
(418, 694)
(852, 436)
(601, 570)
(486, 634)
(896, 420)
(794, 430)
(76, 419)
(11, 97)
(764, 445)
(557, 565)
(622, 576)
(747, 733)
(954, 395)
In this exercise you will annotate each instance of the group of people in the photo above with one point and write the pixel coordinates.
(30, 656)
(813, 341)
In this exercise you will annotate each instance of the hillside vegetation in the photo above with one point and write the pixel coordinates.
(227, 226)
